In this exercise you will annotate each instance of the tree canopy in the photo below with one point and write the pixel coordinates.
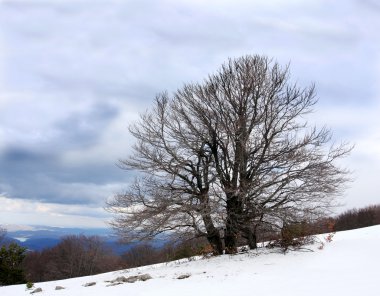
(226, 156)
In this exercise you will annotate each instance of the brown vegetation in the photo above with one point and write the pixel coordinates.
(145, 254)
(74, 256)
(358, 218)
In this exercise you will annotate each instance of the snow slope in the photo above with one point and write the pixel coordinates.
(349, 265)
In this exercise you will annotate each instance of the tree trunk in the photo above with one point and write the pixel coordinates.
(251, 238)
(216, 243)
(230, 240)
(232, 224)
(213, 235)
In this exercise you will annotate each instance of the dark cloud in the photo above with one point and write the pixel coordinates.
(19, 155)
(42, 177)
(40, 173)
(21, 171)
(18, 164)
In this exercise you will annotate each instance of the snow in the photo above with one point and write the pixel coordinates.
(346, 266)
(21, 239)
(15, 227)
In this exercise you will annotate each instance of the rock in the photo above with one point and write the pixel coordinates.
(38, 290)
(144, 277)
(122, 279)
(89, 284)
(59, 288)
(183, 276)
(114, 284)
(132, 279)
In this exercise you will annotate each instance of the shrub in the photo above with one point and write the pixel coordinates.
(294, 236)
(29, 285)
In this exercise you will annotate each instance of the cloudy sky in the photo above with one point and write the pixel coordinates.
(75, 73)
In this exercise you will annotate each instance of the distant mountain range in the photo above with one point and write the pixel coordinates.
(37, 238)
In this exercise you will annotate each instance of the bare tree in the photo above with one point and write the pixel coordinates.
(233, 153)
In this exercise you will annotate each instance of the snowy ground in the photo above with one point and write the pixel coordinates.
(349, 265)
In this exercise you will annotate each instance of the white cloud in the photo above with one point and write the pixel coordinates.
(20, 211)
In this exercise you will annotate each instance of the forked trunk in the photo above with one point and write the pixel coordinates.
(232, 224)
(213, 235)
(216, 243)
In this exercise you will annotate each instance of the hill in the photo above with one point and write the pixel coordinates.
(37, 238)
(346, 266)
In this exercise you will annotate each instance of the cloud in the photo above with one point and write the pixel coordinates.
(360, 126)
(42, 177)
(20, 211)
(37, 139)
(85, 127)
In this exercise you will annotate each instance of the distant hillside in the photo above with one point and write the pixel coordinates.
(37, 238)
(55, 232)
(38, 244)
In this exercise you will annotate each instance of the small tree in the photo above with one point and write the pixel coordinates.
(11, 257)
(231, 153)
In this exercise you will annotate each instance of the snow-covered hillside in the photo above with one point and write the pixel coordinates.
(349, 265)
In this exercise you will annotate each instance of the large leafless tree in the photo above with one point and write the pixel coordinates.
(231, 153)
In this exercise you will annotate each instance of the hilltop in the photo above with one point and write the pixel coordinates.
(346, 266)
